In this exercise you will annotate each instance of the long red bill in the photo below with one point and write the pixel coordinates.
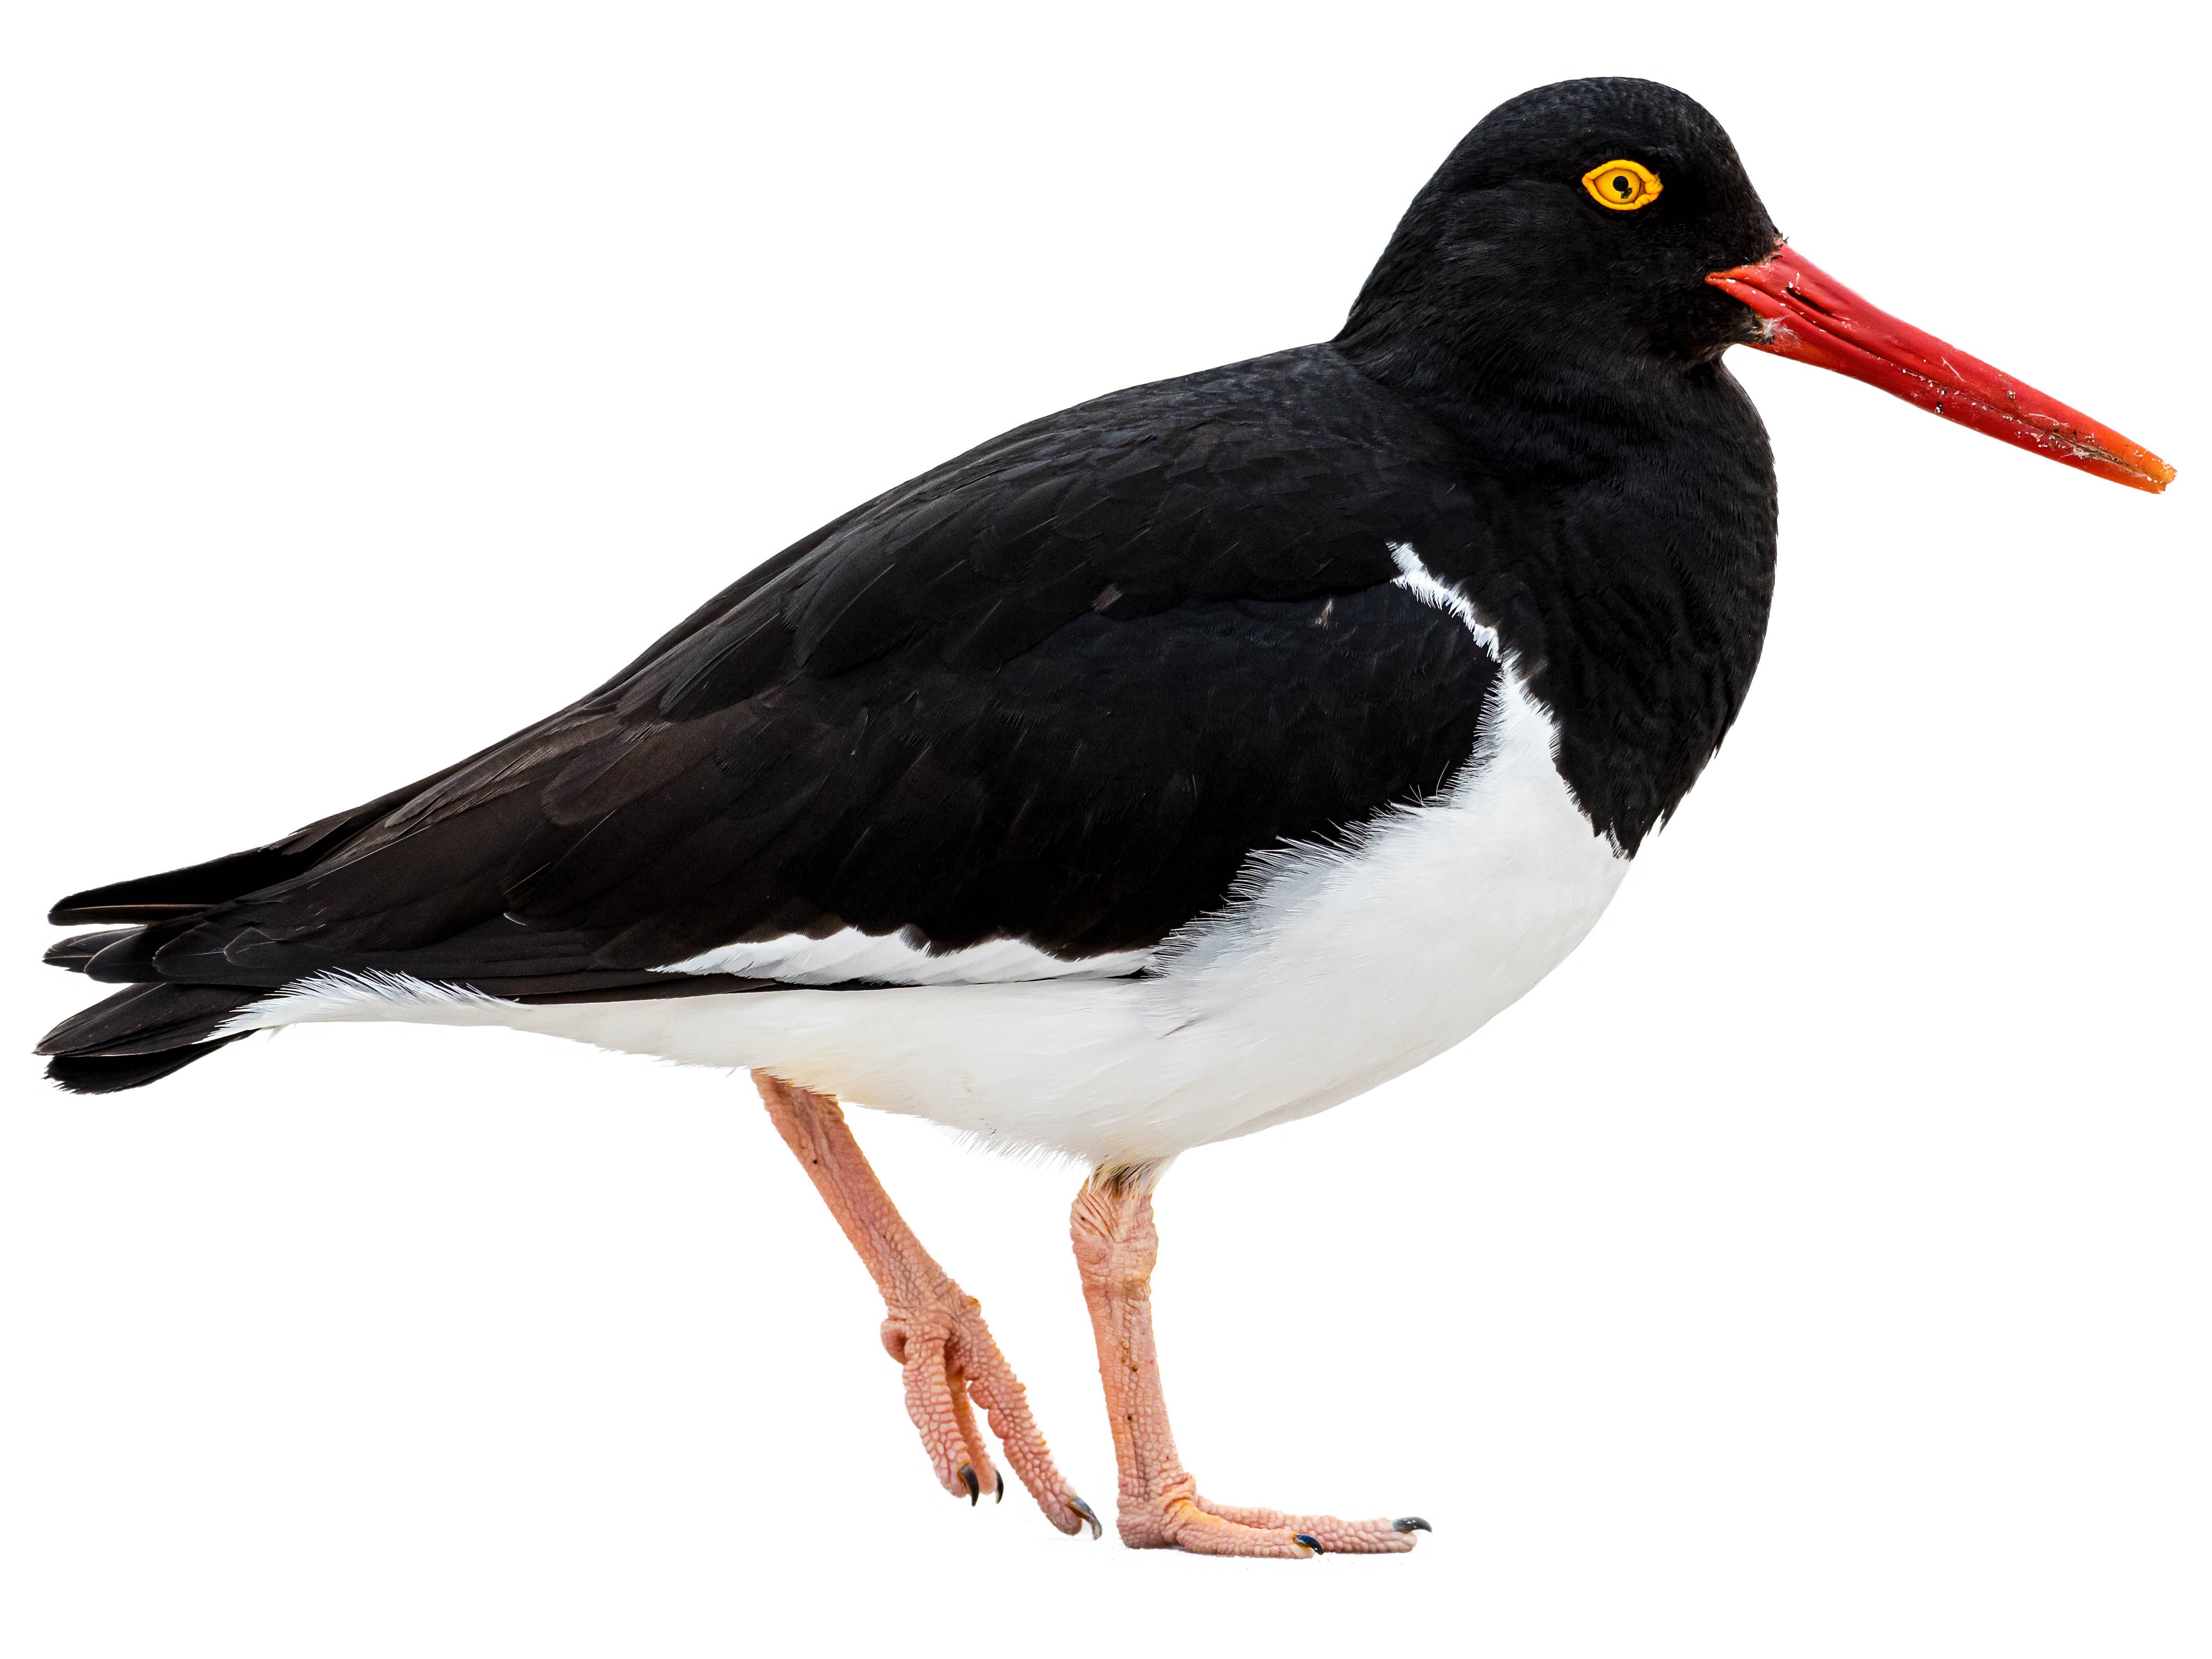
(1811, 317)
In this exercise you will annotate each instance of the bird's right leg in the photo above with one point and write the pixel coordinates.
(1116, 1246)
(932, 1327)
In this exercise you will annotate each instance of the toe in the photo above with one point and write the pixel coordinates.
(929, 1403)
(1200, 1532)
(977, 1471)
(1331, 1535)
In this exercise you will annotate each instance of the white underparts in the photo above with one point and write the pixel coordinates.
(1332, 968)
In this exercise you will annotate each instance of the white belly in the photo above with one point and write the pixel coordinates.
(1333, 970)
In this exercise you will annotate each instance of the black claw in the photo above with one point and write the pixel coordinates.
(1001, 1498)
(1411, 1523)
(1309, 1541)
(1088, 1513)
(974, 1486)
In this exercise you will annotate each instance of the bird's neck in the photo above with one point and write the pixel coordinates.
(1632, 563)
(1558, 415)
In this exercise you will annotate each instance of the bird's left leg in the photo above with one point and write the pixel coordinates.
(933, 1328)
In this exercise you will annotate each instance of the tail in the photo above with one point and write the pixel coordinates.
(152, 1027)
(147, 1030)
(142, 1033)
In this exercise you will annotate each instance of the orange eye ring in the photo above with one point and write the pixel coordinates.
(1622, 185)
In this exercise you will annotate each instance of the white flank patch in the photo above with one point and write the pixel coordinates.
(1332, 969)
(1418, 579)
(889, 959)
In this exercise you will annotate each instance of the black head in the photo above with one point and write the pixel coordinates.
(1530, 250)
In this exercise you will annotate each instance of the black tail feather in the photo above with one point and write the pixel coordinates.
(177, 893)
(148, 1020)
(108, 1074)
(140, 1035)
(128, 959)
(76, 952)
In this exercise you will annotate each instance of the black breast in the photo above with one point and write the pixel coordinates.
(1625, 549)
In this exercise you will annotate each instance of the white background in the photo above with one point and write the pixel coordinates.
(1815, 1265)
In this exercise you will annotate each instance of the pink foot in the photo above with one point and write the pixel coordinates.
(1116, 1246)
(950, 1358)
(933, 1328)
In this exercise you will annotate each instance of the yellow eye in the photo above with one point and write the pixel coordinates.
(1622, 185)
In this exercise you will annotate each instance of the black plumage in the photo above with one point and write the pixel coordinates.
(1063, 688)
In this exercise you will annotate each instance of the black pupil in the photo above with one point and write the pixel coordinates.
(1620, 184)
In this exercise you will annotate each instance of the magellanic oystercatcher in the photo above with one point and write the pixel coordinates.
(1177, 765)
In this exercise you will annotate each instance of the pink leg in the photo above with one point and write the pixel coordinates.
(1116, 1246)
(932, 1327)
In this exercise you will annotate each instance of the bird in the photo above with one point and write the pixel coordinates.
(1177, 765)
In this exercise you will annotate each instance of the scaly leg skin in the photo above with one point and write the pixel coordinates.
(1116, 1246)
(933, 1328)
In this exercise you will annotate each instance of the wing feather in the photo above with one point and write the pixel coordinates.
(1059, 691)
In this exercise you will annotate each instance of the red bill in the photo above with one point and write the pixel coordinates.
(1810, 316)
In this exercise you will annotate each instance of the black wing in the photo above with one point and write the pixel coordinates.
(1059, 690)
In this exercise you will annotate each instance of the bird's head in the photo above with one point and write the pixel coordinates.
(1605, 229)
